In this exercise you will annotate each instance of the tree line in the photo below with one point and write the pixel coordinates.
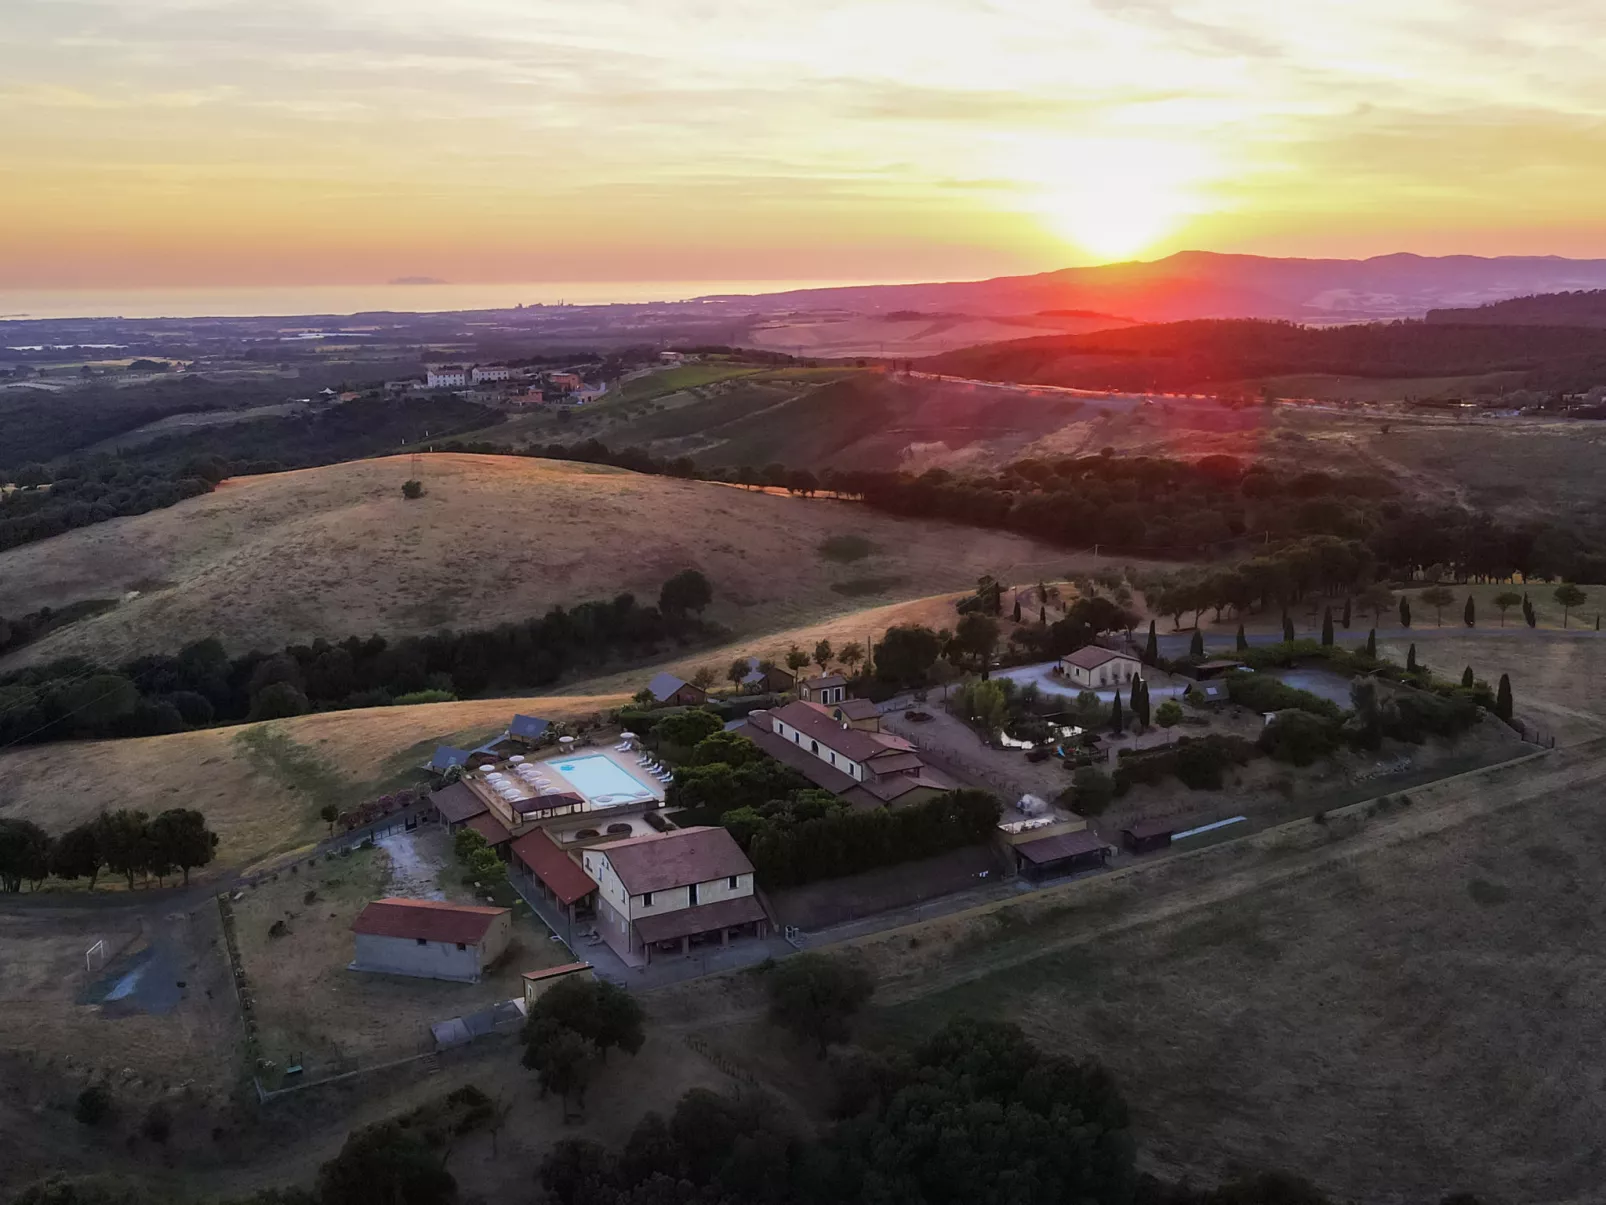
(48, 503)
(1152, 506)
(794, 832)
(1208, 353)
(126, 842)
(201, 685)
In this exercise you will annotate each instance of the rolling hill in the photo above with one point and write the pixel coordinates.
(337, 551)
(1202, 284)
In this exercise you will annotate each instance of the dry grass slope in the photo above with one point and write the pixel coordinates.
(336, 551)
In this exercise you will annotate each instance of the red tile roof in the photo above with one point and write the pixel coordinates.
(561, 873)
(432, 920)
(1092, 656)
(489, 827)
(660, 861)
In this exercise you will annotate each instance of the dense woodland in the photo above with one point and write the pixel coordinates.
(971, 1114)
(1206, 354)
(1583, 308)
(79, 495)
(202, 685)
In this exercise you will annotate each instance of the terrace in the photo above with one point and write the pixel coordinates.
(599, 788)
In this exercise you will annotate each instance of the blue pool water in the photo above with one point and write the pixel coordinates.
(602, 781)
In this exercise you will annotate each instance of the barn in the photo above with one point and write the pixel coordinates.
(430, 939)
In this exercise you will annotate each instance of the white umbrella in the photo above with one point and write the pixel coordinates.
(627, 736)
(565, 740)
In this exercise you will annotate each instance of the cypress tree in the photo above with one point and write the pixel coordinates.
(1288, 629)
(1151, 647)
(1470, 615)
(1196, 645)
(1117, 720)
(1243, 640)
(1016, 616)
(1528, 612)
(1410, 660)
(1346, 618)
(1467, 680)
(1371, 644)
(1042, 615)
(1405, 612)
(1140, 702)
(1327, 627)
(1502, 699)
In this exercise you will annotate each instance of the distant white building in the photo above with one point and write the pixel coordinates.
(445, 376)
(491, 372)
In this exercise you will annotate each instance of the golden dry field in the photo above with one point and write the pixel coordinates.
(337, 551)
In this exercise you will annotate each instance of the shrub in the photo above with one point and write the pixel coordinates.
(1299, 738)
(94, 1105)
(1261, 693)
(1091, 791)
(1202, 765)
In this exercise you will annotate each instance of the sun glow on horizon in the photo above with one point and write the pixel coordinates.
(1116, 198)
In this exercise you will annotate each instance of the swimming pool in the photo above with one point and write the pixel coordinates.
(602, 780)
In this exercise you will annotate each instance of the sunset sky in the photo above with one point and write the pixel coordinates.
(205, 142)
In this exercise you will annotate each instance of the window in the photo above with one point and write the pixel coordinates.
(646, 900)
(462, 946)
(421, 941)
(733, 881)
(814, 747)
(691, 894)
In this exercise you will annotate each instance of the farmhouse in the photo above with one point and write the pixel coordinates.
(1092, 666)
(483, 373)
(829, 688)
(685, 887)
(429, 939)
(767, 678)
(866, 767)
(672, 691)
(445, 376)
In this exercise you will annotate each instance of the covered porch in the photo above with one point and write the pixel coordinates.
(707, 924)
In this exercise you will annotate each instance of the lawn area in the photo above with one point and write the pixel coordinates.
(1395, 1011)
(315, 1011)
(673, 380)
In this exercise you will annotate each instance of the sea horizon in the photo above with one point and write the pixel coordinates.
(290, 301)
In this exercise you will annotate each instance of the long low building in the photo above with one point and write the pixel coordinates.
(430, 939)
(867, 768)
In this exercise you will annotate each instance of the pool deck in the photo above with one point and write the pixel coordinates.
(625, 761)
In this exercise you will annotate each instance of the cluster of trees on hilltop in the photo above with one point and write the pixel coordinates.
(1174, 509)
(1582, 308)
(202, 685)
(124, 842)
(1209, 352)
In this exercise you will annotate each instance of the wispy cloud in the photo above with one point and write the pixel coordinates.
(1025, 132)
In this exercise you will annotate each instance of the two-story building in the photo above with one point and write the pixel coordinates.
(445, 376)
(482, 374)
(828, 688)
(675, 889)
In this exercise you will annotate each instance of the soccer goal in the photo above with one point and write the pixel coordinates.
(95, 957)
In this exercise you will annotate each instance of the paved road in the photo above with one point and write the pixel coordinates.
(1173, 644)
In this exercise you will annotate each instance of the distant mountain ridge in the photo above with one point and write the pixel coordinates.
(1205, 284)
